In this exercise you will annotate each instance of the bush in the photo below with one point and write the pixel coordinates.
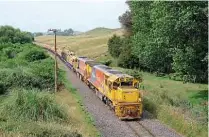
(106, 62)
(20, 72)
(27, 77)
(12, 35)
(114, 46)
(176, 76)
(34, 55)
(3, 88)
(150, 106)
(135, 73)
(31, 105)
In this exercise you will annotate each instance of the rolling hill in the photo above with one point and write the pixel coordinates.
(92, 43)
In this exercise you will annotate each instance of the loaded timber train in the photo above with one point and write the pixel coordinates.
(114, 88)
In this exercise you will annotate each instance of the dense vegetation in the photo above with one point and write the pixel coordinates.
(165, 37)
(168, 39)
(27, 106)
(12, 35)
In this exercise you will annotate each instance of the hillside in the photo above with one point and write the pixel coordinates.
(92, 43)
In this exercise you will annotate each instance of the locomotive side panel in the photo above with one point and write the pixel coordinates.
(100, 77)
(81, 66)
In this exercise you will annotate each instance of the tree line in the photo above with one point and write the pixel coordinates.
(165, 37)
(8, 34)
(66, 32)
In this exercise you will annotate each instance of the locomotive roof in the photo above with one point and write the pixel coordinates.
(113, 71)
(103, 67)
(92, 63)
(84, 59)
(109, 70)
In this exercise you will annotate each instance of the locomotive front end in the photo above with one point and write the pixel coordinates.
(129, 99)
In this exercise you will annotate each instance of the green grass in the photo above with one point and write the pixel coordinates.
(31, 105)
(27, 107)
(182, 106)
(87, 120)
(36, 113)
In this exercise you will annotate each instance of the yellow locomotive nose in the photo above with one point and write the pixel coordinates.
(129, 103)
(129, 111)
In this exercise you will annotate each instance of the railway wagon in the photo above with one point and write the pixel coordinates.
(70, 58)
(89, 66)
(118, 90)
(81, 67)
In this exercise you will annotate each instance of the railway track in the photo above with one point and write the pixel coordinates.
(130, 128)
(139, 130)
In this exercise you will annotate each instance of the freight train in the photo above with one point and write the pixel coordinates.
(116, 89)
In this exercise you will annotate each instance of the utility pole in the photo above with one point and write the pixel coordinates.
(55, 57)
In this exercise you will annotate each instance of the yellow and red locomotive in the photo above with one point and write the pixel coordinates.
(116, 89)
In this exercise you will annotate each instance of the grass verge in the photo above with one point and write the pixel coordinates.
(182, 106)
(84, 119)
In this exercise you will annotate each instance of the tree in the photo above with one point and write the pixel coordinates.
(114, 46)
(166, 37)
(126, 22)
(12, 35)
(69, 32)
(66, 32)
(126, 58)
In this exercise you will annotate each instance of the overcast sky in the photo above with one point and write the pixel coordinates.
(81, 15)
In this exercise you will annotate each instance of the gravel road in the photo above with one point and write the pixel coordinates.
(107, 123)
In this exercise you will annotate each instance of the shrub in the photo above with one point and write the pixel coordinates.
(150, 106)
(3, 88)
(31, 105)
(34, 55)
(27, 78)
(135, 73)
(107, 62)
(114, 46)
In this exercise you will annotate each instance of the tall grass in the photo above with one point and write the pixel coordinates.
(31, 105)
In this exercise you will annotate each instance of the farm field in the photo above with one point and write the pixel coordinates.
(92, 44)
(182, 106)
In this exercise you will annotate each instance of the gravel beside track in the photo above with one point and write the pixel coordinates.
(108, 124)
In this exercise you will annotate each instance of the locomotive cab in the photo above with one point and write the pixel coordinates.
(126, 98)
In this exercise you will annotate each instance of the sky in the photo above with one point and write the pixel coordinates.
(80, 15)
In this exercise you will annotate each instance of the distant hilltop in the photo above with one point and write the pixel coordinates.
(101, 31)
(95, 31)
